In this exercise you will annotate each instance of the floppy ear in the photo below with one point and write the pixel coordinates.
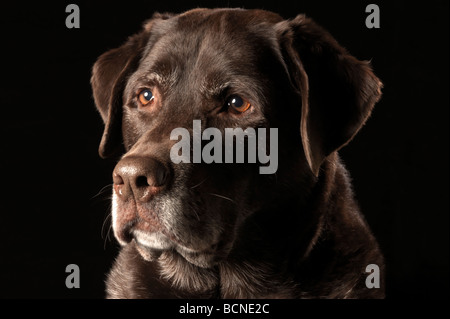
(338, 91)
(109, 75)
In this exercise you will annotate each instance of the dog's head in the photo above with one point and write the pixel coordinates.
(224, 68)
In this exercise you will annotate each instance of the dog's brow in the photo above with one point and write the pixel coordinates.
(154, 77)
(162, 77)
(214, 89)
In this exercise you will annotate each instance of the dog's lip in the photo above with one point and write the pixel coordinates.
(203, 259)
(153, 240)
(159, 241)
(152, 245)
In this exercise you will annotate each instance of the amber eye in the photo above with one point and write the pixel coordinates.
(238, 103)
(145, 97)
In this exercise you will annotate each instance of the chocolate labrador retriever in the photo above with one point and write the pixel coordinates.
(198, 229)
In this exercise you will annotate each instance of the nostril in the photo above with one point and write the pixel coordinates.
(160, 177)
(141, 181)
(117, 179)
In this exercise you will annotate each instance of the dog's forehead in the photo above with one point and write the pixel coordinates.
(211, 40)
(234, 16)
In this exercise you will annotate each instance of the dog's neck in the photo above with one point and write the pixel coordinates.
(261, 257)
(229, 279)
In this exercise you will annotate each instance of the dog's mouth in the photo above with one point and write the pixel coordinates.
(151, 245)
(164, 225)
(152, 241)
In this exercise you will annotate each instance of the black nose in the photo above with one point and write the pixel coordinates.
(141, 177)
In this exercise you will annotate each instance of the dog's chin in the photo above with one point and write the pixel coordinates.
(200, 259)
(151, 245)
(148, 253)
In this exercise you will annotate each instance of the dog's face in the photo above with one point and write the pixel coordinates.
(228, 69)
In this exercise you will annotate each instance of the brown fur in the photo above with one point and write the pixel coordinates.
(295, 234)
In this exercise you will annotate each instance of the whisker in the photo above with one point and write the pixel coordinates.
(108, 238)
(196, 214)
(224, 197)
(200, 183)
(107, 218)
(101, 191)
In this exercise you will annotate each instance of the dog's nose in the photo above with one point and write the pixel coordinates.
(141, 177)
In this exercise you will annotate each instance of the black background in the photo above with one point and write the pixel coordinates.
(54, 202)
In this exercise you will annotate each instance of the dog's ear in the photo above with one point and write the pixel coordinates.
(109, 75)
(337, 91)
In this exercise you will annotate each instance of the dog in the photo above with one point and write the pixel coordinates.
(223, 230)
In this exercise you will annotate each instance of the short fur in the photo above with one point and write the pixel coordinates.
(224, 230)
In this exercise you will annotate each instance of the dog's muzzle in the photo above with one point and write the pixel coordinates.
(137, 180)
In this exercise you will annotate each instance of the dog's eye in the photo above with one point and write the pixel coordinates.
(145, 97)
(238, 104)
